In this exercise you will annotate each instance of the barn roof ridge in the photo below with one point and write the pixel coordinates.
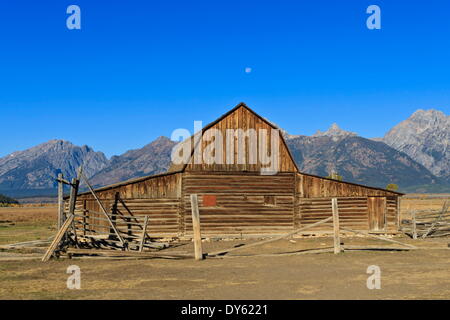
(239, 105)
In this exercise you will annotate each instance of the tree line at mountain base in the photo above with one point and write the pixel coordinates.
(6, 201)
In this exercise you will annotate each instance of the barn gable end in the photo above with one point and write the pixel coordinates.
(245, 119)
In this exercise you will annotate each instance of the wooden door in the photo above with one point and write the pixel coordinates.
(377, 213)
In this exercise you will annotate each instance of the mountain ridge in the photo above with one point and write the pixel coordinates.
(402, 156)
(425, 137)
(153, 158)
(38, 167)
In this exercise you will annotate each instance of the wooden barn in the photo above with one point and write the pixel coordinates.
(236, 198)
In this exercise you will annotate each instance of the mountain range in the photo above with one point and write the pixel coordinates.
(414, 154)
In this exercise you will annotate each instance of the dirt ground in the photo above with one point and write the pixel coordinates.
(415, 274)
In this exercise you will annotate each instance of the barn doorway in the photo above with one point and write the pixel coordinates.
(377, 213)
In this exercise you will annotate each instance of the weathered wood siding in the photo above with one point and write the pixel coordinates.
(246, 204)
(243, 118)
(158, 197)
(157, 187)
(392, 214)
(164, 217)
(242, 204)
(377, 213)
(352, 213)
(359, 213)
(308, 186)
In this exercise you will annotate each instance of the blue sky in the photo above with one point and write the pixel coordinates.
(140, 69)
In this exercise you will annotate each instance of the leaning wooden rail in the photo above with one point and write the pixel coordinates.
(216, 253)
(144, 232)
(103, 209)
(130, 213)
(379, 237)
(441, 214)
(428, 223)
(58, 238)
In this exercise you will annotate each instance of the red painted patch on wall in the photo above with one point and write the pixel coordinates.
(209, 201)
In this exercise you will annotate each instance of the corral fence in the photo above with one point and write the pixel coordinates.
(428, 223)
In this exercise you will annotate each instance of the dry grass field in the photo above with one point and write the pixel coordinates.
(27, 223)
(421, 202)
(415, 274)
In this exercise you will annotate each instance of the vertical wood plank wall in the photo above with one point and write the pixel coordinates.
(243, 119)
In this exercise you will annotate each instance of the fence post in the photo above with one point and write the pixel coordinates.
(337, 240)
(414, 224)
(72, 203)
(144, 232)
(60, 201)
(196, 228)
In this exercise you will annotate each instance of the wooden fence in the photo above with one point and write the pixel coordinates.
(428, 223)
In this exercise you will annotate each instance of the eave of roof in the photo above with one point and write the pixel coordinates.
(352, 183)
(131, 181)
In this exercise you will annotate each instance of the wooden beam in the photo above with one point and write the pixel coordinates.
(443, 211)
(58, 238)
(196, 228)
(336, 229)
(114, 253)
(414, 224)
(296, 253)
(85, 216)
(379, 237)
(271, 240)
(144, 232)
(103, 209)
(73, 201)
(62, 180)
(375, 248)
(73, 196)
(60, 201)
(121, 215)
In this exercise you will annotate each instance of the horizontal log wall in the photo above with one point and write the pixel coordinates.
(243, 203)
(246, 204)
(353, 213)
(164, 217)
(159, 197)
